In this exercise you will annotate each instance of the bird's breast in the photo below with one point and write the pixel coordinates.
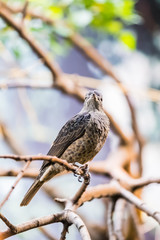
(86, 147)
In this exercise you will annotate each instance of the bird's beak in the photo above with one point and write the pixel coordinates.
(94, 96)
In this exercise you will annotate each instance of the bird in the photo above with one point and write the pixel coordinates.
(79, 140)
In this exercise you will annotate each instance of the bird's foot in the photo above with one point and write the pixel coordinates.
(84, 169)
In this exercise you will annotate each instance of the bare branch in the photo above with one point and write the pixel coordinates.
(111, 205)
(139, 203)
(119, 213)
(24, 12)
(12, 228)
(73, 218)
(67, 215)
(64, 163)
(64, 231)
(38, 222)
(143, 181)
(100, 191)
(86, 181)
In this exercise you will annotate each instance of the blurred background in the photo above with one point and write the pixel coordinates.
(124, 32)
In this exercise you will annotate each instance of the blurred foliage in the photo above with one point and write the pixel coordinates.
(108, 16)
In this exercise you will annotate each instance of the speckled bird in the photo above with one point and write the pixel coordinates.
(79, 140)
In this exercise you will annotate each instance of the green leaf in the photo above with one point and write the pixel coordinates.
(114, 27)
(55, 12)
(128, 39)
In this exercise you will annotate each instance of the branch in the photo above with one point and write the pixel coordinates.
(38, 222)
(100, 191)
(143, 181)
(24, 12)
(86, 181)
(73, 218)
(12, 228)
(64, 163)
(119, 215)
(64, 231)
(139, 204)
(66, 216)
(111, 233)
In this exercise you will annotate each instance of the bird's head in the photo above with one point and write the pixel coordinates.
(93, 100)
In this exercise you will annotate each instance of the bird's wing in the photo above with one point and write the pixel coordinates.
(70, 132)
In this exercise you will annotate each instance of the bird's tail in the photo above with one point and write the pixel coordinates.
(31, 192)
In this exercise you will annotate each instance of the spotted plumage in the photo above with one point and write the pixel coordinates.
(79, 140)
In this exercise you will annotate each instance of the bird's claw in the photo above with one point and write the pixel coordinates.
(85, 173)
(80, 178)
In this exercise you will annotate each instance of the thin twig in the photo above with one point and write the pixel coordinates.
(24, 12)
(86, 181)
(64, 231)
(7, 222)
(143, 181)
(111, 233)
(119, 215)
(19, 176)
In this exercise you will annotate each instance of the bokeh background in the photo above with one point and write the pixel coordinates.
(127, 34)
